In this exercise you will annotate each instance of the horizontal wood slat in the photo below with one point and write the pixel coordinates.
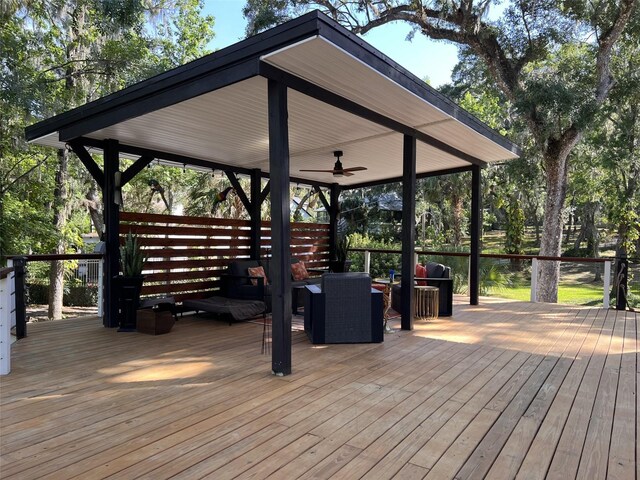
(190, 242)
(185, 231)
(186, 255)
(168, 276)
(181, 220)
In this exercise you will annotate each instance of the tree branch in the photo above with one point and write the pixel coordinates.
(23, 175)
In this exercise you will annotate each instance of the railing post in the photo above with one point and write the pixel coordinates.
(607, 283)
(19, 263)
(101, 287)
(534, 280)
(367, 261)
(5, 323)
(622, 274)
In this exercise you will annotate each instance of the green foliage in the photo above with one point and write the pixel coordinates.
(131, 257)
(381, 263)
(515, 229)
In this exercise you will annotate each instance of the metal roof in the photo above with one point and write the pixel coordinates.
(343, 95)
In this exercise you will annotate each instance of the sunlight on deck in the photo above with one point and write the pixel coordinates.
(503, 390)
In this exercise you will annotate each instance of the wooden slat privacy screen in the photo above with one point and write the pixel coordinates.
(187, 255)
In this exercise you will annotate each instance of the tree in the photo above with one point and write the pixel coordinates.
(550, 59)
(57, 55)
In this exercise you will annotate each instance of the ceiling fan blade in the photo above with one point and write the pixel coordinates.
(347, 173)
(354, 169)
(323, 171)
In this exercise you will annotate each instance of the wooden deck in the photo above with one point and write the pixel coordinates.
(504, 390)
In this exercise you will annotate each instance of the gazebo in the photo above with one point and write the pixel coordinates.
(271, 106)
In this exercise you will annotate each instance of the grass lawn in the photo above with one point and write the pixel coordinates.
(570, 294)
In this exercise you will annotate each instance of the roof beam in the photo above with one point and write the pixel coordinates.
(314, 91)
(185, 160)
(135, 169)
(239, 190)
(438, 173)
(88, 161)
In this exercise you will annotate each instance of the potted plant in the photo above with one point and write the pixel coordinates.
(130, 282)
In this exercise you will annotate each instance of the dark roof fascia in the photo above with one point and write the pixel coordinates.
(360, 49)
(246, 51)
(437, 173)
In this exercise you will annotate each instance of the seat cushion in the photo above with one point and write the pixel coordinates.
(241, 268)
(421, 272)
(299, 271)
(257, 272)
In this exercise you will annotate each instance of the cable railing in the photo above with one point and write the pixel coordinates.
(584, 272)
(87, 272)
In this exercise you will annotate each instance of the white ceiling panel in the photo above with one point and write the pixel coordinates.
(323, 63)
(230, 126)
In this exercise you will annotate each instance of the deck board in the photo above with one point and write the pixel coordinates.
(501, 390)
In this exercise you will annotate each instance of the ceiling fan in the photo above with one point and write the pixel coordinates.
(338, 170)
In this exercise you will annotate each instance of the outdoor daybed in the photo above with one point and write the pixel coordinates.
(239, 283)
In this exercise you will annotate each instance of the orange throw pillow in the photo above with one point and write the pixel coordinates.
(299, 271)
(257, 272)
(421, 272)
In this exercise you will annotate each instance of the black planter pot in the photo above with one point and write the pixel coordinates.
(338, 266)
(128, 289)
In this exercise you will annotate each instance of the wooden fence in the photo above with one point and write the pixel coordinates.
(187, 255)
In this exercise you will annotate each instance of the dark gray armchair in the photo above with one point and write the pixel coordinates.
(344, 309)
(437, 276)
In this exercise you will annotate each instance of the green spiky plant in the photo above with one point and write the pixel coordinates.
(131, 257)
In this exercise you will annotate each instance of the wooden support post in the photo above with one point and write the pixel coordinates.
(334, 213)
(607, 283)
(476, 232)
(408, 231)
(6, 291)
(256, 209)
(280, 271)
(20, 270)
(367, 261)
(534, 280)
(112, 234)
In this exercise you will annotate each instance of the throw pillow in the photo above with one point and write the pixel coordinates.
(421, 272)
(299, 271)
(257, 272)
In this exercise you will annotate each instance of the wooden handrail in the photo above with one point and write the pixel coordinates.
(55, 256)
(490, 255)
(5, 271)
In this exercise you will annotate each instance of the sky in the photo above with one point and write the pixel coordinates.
(423, 57)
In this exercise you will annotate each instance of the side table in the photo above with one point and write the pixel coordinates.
(426, 301)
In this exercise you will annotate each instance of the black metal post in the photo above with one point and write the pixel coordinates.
(334, 213)
(621, 281)
(408, 230)
(280, 271)
(476, 232)
(256, 218)
(19, 266)
(112, 240)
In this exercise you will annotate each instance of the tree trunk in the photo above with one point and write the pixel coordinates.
(458, 210)
(551, 241)
(56, 276)
(94, 205)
